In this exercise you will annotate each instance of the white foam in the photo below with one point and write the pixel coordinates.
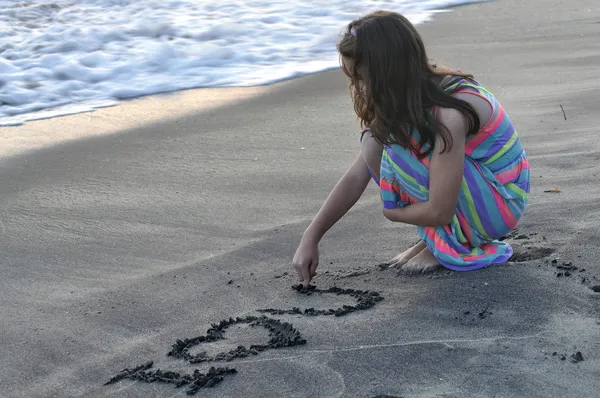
(62, 57)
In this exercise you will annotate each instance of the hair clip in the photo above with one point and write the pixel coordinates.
(353, 31)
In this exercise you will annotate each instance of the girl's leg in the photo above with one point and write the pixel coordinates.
(371, 152)
(399, 188)
(482, 215)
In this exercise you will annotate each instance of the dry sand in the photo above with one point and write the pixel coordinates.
(115, 246)
(130, 114)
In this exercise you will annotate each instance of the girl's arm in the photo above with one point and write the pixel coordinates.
(344, 195)
(445, 178)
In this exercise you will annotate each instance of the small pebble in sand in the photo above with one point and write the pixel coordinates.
(577, 357)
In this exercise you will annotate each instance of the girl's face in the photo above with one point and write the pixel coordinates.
(348, 68)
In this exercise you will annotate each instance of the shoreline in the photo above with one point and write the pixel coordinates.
(271, 73)
(42, 132)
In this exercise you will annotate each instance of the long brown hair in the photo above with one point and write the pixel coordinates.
(401, 87)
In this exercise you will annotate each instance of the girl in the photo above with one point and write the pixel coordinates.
(442, 149)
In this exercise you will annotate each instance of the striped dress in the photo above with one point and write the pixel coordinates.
(493, 195)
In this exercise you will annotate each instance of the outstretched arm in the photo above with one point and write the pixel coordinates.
(341, 199)
(344, 195)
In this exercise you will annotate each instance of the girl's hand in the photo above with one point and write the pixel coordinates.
(306, 260)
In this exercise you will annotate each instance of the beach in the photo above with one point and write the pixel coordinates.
(61, 58)
(132, 227)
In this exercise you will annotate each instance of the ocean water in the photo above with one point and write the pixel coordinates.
(63, 57)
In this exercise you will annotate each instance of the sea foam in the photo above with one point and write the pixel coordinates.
(62, 57)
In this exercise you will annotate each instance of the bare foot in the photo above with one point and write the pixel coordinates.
(406, 255)
(421, 263)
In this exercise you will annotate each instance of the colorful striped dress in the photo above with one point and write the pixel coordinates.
(493, 196)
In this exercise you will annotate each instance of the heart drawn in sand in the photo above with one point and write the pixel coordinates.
(281, 335)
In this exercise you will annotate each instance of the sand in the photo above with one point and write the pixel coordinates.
(115, 120)
(117, 245)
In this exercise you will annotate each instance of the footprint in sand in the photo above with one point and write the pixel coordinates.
(524, 254)
(564, 269)
(526, 251)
